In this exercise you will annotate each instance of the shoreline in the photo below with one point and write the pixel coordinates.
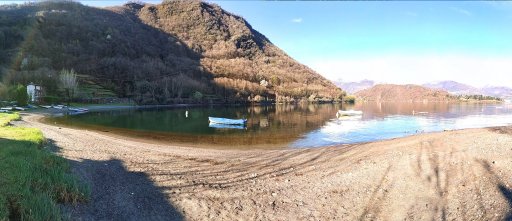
(189, 140)
(464, 174)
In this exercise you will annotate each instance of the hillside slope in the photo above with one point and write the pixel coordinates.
(153, 53)
(403, 93)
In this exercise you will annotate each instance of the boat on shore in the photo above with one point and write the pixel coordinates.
(227, 121)
(348, 113)
(78, 109)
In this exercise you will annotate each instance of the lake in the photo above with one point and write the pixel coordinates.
(289, 126)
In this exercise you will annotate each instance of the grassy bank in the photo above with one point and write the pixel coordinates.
(6, 118)
(32, 180)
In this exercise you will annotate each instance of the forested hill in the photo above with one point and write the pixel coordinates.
(153, 53)
(404, 93)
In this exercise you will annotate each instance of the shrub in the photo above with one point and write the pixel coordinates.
(21, 95)
(350, 99)
(197, 95)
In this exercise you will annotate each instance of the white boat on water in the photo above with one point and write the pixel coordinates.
(218, 120)
(419, 112)
(227, 126)
(341, 113)
(350, 118)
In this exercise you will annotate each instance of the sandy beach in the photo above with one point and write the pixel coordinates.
(452, 175)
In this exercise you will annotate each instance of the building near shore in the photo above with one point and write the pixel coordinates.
(34, 92)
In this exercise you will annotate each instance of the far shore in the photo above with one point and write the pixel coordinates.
(461, 175)
(106, 107)
(447, 102)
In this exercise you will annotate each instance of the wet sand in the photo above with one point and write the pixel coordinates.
(461, 175)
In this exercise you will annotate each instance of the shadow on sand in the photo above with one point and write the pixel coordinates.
(505, 192)
(118, 194)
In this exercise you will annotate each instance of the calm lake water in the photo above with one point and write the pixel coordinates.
(293, 126)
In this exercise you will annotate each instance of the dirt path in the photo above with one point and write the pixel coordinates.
(462, 175)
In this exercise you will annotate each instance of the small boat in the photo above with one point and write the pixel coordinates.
(78, 109)
(19, 108)
(350, 118)
(227, 126)
(76, 112)
(341, 113)
(419, 112)
(6, 108)
(46, 106)
(218, 120)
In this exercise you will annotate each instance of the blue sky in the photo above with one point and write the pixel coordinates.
(394, 42)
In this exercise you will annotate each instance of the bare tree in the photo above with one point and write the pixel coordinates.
(68, 82)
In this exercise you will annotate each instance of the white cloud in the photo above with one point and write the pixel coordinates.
(418, 69)
(462, 11)
(297, 20)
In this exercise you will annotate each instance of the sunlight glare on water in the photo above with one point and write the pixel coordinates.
(337, 131)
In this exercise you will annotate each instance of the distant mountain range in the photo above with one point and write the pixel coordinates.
(458, 88)
(452, 87)
(353, 87)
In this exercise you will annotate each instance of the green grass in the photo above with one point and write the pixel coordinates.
(6, 118)
(33, 181)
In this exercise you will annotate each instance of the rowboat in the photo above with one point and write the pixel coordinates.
(350, 118)
(341, 113)
(218, 120)
(78, 109)
(420, 112)
(227, 126)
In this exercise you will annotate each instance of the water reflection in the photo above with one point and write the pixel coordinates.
(291, 125)
(392, 120)
(267, 126)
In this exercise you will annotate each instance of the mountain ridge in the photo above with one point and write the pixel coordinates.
(458, 88)
(154, 53)
(403, 93)
(353, 87)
